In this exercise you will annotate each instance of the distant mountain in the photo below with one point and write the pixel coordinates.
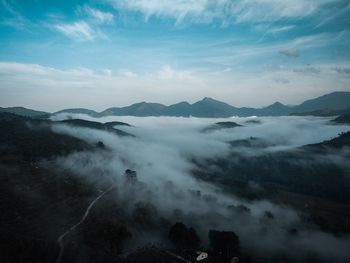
(79, 111)
(209, 107)
(25, 112)
(181, 109)
(332, 101)
(276, 109)
(246, 112)
(138, 109)
(323, 112)
(336, 103)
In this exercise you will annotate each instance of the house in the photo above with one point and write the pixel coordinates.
(130, 176)
(195, 256)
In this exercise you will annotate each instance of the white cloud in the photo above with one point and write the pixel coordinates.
(45, 88)
(162, 153)
(127, 73)
(268, 10)
(225, 10)
(176, 8)
(291, 52)
(267, 28)
(14, 18)
(107, 72)
(167, 72)
(79, 31)
(19, 68)
(98, 15)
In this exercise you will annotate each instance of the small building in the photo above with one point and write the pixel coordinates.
(130, 175)
(195, 256)
(201, 256)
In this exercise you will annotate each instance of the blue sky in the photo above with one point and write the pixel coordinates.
(97, 54)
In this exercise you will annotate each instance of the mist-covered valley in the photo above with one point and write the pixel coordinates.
(173, 131)
(130, 189)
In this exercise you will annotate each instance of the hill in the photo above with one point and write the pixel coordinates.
(25, 112)
(79, 111)
(343, 119)
(108, 126)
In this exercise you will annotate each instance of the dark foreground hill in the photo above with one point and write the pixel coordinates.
(53, 213)
(32, 139)
(25, 112)
(40, 201)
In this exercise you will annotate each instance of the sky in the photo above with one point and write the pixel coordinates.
(99, 54)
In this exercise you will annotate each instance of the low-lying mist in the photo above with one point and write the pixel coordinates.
(162, 153)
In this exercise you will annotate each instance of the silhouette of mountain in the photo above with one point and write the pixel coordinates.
(332, 101)
(25, 112)
(181, 109)
(331, 104)
(209, 107)
(137, 109)
(323, 112)
(276, 109)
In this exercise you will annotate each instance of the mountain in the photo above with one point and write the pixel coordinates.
(28, 138)
(339, 142)
(79, 111)
(25, 112)
(323, 112)
(209, 107)
(181, 109)
(276, 109)
(138, 109)
(332, 101)
(332, 104)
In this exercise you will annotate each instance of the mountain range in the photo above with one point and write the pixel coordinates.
(329, 104)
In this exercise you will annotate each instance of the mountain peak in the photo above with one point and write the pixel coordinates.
(183, 103)
(277, 103)
(208, 99)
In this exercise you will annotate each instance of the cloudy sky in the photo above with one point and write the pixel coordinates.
(97, 54)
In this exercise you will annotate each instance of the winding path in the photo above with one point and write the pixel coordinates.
(60, 239)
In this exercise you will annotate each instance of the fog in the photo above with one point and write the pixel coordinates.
(162, 154)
